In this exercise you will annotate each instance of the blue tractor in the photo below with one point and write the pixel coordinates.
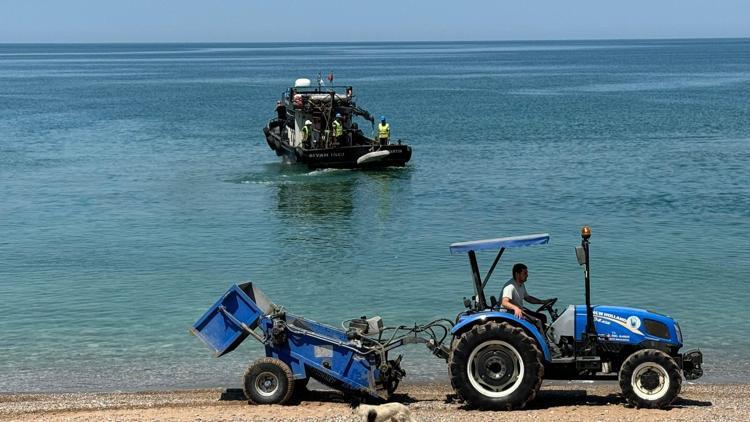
(495, 360)
(498, 361)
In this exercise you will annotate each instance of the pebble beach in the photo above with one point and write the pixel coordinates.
(555, 402)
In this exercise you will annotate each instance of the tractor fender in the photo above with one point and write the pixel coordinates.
(472, 320)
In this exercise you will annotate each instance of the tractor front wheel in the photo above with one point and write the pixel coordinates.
(650, 379)
(268, 381)
(496, 366)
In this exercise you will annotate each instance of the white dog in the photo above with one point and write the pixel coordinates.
(388, 412)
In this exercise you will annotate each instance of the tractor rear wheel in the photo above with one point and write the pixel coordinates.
(496, 366)
(268, 381)
(650, 378)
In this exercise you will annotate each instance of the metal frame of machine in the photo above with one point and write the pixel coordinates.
(495, 360)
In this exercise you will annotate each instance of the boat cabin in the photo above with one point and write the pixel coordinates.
(320, 105)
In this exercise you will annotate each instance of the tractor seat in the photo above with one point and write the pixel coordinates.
(495, 305)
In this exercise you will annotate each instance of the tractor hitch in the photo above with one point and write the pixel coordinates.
(692, 362)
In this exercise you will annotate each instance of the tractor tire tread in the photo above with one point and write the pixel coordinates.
(500, 330)
(663, 360)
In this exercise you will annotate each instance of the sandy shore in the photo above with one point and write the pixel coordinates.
(567, 402)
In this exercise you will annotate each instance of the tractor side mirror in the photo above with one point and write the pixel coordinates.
(580, 255)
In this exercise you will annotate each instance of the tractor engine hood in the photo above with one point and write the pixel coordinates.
(630, 325)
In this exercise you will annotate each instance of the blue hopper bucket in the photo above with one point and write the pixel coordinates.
(232, 318)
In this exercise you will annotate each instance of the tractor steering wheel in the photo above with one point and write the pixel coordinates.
(547, 306)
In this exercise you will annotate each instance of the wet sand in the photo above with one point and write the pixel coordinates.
(555, 402)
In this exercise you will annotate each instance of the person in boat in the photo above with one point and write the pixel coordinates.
(280, 110)
(338, 130)
(514, 294)
(307, 134)
(280, 116)
(384, 131)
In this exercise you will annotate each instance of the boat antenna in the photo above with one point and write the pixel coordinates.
(320, 80)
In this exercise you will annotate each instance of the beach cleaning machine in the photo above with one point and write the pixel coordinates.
(354, 360)
(496, 360)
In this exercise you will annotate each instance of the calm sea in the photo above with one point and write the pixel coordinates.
(136, 186)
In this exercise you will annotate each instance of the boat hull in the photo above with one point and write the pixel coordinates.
(338, 157)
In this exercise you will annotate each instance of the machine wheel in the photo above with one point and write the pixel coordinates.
(268, 381)
(650, 378)
(496, 366)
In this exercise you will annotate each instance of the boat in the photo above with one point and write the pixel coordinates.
(321, 105)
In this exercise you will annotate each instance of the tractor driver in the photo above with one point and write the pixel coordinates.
(514, 293)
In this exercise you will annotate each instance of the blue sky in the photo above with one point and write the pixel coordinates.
(380, 20)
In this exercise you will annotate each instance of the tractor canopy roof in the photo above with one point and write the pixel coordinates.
(500, 243)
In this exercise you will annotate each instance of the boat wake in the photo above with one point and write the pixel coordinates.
(320, 172)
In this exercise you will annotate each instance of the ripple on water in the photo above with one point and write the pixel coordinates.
(123, 221)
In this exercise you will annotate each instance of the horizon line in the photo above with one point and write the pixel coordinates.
(379, 41)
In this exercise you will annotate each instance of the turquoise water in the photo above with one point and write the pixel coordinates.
(136, 186)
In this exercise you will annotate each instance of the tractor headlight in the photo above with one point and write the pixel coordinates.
(679, 332)
(657, 329)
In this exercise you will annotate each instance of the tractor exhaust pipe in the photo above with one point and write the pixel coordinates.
(585, 235)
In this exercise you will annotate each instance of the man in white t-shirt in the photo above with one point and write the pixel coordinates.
(514, 294)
